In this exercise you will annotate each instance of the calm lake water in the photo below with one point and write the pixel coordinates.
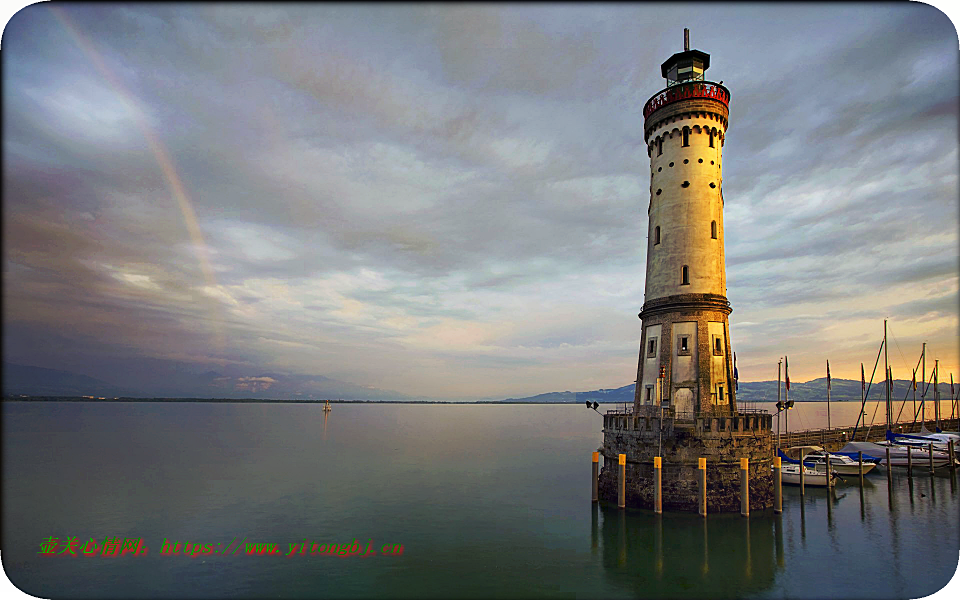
(485, 500)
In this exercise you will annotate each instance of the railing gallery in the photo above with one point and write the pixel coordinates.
(741, 420)
(675, 93)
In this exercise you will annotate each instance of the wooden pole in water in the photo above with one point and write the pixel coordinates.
(930, 452)
(860, 466)
(593, 482)
(953, 461)
(909, 462)
(702, 468)
(777, 482)
(745, 487)
(622, 482)
(657, 479)
(889, 474)
(826, 467)
(801, 473)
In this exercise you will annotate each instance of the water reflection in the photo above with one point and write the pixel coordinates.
(650, 554)
(778, 537)
(803, 524)
(863, 508)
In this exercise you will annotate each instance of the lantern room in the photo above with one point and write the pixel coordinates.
(688, 65)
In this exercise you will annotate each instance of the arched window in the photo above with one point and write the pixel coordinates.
(686, 136)
(659, 146)
(684, 275)
(713, 229)
(656, 235)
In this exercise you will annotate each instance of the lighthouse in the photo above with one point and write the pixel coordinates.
(685, 359)
(684, 444)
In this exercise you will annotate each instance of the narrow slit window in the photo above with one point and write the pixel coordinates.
(649, 394)
(684, 275)
(656, 235)
(713, 229)
(686, 136)
(717, 346)
(652, 347)
(711, 139)
(659, 146)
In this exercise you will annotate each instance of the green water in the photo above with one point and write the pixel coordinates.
(487, 501)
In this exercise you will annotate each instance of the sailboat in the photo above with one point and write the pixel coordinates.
(326, 407)
(900, 455)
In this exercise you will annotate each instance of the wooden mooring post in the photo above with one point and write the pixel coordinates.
(889, 467)
(801, 473)
(745, 487)
(702, 492)
(777, 489)
(860, 466)
(593, 481)
(909, 462)
(622, 482)
(930, 452)
(953, 460)
(657, 479)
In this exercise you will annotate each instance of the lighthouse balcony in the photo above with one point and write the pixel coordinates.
(648, 418)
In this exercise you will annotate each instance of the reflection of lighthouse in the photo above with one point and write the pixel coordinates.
(685, 337)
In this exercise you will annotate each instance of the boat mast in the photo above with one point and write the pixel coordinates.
(914, 395)
(828, 394)
(886, 369)
(923, 384)
(936, 395)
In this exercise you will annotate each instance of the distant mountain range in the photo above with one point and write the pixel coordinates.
(841, 390)
(621, 394)
(38, 381)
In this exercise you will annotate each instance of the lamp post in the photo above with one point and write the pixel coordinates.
(787, 405)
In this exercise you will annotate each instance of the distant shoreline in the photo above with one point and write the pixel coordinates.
(300, 401)
(272, 401)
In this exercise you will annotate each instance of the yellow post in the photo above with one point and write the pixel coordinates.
(593, 484)
(745, 487)
(622, 482)
(801, 472)
(657, 479)
(777, 491)
(702, 468)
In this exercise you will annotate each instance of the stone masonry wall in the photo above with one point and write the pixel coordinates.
(683, 443)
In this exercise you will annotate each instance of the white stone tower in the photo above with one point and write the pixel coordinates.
(685, 340)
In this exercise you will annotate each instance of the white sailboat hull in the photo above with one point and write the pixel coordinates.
(790, 474)
(898, 454)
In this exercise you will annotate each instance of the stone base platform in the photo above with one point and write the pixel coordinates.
(722, 439)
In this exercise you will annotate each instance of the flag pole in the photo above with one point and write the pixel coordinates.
(779, 410)
(786, 394)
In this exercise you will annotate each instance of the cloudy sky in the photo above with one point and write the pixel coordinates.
(450, 201)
